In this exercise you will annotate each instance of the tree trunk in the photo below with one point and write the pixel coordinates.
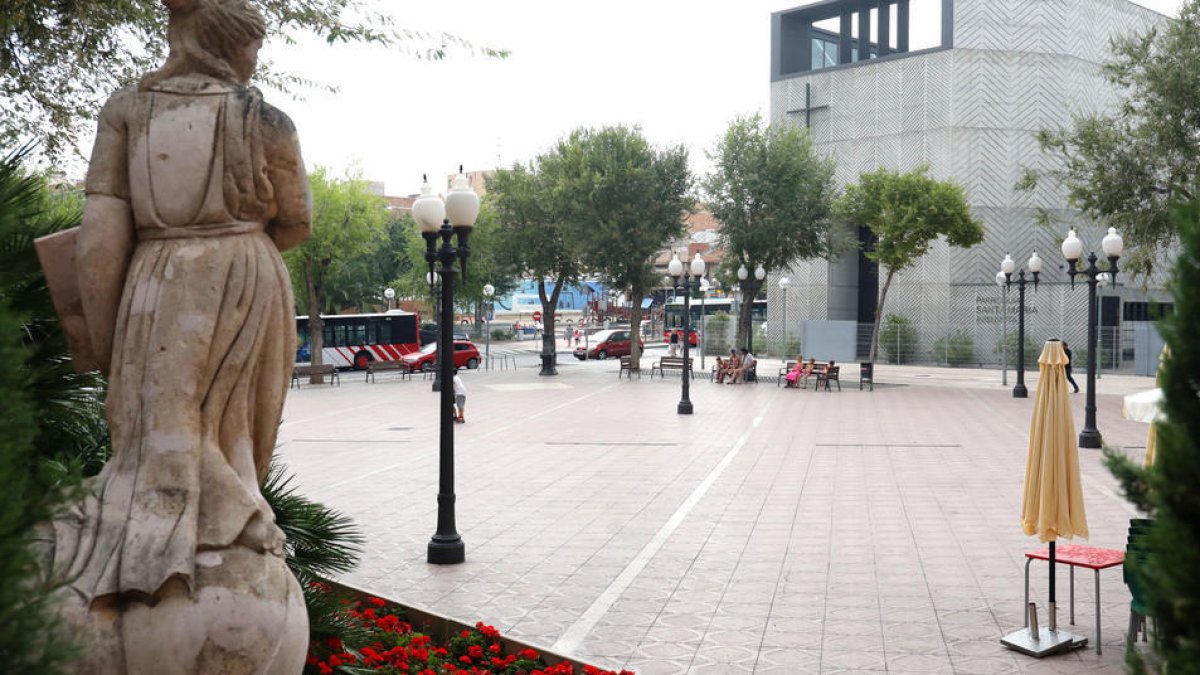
(879, 315)
(745, 327)
(316, 326)
(635, 328)
(549, 304)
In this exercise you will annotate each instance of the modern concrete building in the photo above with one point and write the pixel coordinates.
(968, 102)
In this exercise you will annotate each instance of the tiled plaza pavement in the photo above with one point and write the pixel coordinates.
(772, 531)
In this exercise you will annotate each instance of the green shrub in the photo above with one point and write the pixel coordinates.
(716, 334)
(1033, 349)
(956, 349)
(503, 334)
(898, 339)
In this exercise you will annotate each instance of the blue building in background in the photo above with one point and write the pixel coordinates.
(525, 300)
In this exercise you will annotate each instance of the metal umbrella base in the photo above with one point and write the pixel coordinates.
(1038, 642)
(1047, 642)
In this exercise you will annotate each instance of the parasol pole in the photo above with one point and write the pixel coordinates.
(1051, 607)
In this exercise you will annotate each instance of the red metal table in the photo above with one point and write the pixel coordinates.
(1074, 555)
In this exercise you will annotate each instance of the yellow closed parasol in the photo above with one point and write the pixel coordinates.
(1053, 504)
(1052, 507)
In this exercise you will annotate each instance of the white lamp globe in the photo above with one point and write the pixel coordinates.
(428, 210)
(697, 266)
(1112, 243)
(1007, 265)
(760, 273)
(462, 204)
(1000, 278)
(675, 267)
(489, 290)
(1104, 279)
(742, 273)
(389, 293)
(431, 277)
(1072, 248)
(1035, 263)
(784, 282)
(704, 285)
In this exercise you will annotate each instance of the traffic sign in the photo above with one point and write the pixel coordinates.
(537, 316)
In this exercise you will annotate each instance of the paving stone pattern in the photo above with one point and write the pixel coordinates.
(773, 531)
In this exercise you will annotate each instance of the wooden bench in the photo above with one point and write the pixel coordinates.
(627, 367)
(818, 368)
(829, 374)
(671, 363)
(383, 366)
(308, 372)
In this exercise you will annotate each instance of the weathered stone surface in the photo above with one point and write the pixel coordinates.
(173, 561)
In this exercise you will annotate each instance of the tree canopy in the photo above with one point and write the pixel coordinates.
(907, 212)
(60, 59)
(773, 195)
(1126, 169)
(349, 224)
(626, 200)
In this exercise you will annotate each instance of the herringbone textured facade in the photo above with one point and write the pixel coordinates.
(971, 112)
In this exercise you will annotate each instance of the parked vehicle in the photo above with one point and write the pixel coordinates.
(429, 334)
(354, 340)
(466, 355)
(606, 343)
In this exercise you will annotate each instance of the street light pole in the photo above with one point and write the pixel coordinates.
(675, 269)
(1000, 279)
(488, 291)
(703, 316)
(784, 282)
(1006, 268)
(1072, 249)
(456, 217)
(389, 293)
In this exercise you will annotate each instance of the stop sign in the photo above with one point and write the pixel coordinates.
(537, 316)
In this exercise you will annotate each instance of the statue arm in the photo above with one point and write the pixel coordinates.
(292, 224)
(106, 235)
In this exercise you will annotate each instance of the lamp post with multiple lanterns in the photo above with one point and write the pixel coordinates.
(1006, 268)
(1072, 250)
(742, 275)
(451, 219)
(689, 281)
(488, 291)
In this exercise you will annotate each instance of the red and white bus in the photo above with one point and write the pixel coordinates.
(354, 340)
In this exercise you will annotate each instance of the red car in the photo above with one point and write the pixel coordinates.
(465, 356)
(606, 343)
(693, 336)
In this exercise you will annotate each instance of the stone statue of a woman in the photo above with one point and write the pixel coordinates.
(174, 561)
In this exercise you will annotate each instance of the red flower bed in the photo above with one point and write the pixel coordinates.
(378, 640)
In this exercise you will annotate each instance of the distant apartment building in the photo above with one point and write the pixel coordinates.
(969, 105)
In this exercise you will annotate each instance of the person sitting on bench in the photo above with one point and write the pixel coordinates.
(747, 363)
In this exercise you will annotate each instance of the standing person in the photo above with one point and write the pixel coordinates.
(1069, 378)
(460, 397)
(567, 333)
(674, 351)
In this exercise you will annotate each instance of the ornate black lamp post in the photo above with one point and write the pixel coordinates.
(452, 219)
(689, 281)
(1072, 249)
(1006, 268)
(488, 291)
(742, 274)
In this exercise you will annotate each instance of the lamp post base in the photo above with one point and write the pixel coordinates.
(1020, 391)
(1090, 438)
(548, 368)
(446, 552)
(684, 408)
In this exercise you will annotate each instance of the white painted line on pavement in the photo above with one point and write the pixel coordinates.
(569, 641)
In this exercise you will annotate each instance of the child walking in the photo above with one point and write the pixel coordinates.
(460, 397)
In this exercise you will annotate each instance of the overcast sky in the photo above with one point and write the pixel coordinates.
(680, 69)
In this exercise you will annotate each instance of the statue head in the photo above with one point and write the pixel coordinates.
(218, 38)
